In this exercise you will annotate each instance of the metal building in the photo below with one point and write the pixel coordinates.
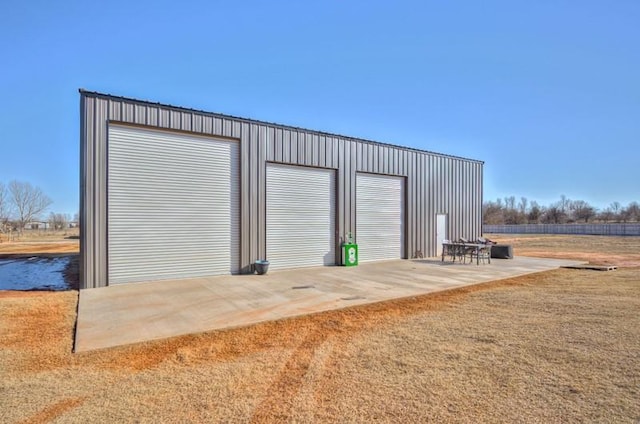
(168, 192)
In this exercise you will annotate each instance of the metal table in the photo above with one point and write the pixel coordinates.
(461, 250)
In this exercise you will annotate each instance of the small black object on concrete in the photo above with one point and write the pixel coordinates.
(502, 251)
(261, 266)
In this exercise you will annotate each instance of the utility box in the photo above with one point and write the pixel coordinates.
(349, 254)
(502, 251)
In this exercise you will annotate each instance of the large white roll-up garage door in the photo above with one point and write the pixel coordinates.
(173, 205)
(379, 217)
(300, 216)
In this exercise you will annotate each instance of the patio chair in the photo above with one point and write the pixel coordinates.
(481, 254)
(465, 249)
(449, 249)
(482, 240)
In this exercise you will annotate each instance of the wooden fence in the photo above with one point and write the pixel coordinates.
(584, 229)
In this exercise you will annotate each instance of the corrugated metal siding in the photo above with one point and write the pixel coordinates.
(173, 205)
(435, 183)
(300, 216)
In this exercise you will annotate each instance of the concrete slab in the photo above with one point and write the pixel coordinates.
(138, 312)
(593, 267)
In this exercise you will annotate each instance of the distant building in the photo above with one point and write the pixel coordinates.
(37, 225)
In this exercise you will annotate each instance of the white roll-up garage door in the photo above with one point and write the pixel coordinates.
(379, 217)
(173, 205)
(300, 216)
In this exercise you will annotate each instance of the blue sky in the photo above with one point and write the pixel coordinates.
(547, 93)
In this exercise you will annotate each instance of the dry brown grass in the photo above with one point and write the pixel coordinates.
(561, 346)
(36, 241)
(619, 251)
(21, 248)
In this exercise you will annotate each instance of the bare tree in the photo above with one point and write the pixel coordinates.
(606, 215)
(492, 212)
(4, 209)
(510, 202)
(535, 213)
(564, 204)
(29, 201)
(615, 207)
(554, 215)
(523, 205)
(631, 212)
(582, 210)
(505, 211)
(58, 221)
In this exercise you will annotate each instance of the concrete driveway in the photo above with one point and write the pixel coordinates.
(132, 313)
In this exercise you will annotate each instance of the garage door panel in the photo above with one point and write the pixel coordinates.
(379, 217)
(300, 216)
(173, 205)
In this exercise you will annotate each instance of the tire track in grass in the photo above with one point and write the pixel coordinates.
(281, 394)
(54, 411)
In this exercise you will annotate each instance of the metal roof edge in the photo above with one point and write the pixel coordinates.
(84, 92)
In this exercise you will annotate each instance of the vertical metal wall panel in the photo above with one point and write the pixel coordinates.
(435, 183)
(245, 196)
(341, 191)
(421, 221)
(196, 121)
(174, 119)
(298, 159)
(349, 194)
(322, 151)
(328, 152)
(270, 146)
(140, 114)
(84, 210)
(262, 134)
(300, 212)
(207, 125)
(352, 185)
(336, 152)
(101, 196)
(152, 116)
(276, 140)
(254, 210)
(312, 152)
(293, 146)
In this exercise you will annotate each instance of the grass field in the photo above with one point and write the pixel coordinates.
(40, 241)
(560, 346)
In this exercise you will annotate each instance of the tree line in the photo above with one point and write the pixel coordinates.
(565, 211)
(21, 203)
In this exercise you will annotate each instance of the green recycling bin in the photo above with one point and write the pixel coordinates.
(349, 254)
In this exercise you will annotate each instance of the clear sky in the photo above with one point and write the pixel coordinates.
(547, 93)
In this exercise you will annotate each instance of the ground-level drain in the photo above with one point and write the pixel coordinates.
(303, 287)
